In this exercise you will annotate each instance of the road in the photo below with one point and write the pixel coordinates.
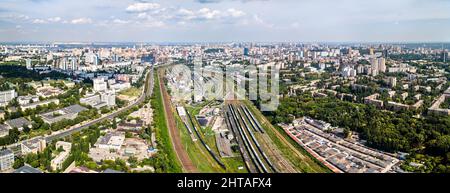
(68, 132)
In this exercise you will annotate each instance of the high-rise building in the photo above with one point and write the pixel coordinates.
(392, 81)
(385, 53)
(371, 51)
(28, 63)
(444, 56)
(63, 64)
(374, 66)
(73, 64)
(378, 65)
(95, 60)
(92, 59)
(381, 65)
(246, 52)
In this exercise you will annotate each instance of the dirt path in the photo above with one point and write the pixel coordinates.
(174, 133)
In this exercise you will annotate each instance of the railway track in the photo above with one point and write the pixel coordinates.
(255, 141)
(245, 155)
(255, 123)
(257, 156)
(204, 143)
(284, 165)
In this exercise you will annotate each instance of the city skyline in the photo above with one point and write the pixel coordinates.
(224, 21)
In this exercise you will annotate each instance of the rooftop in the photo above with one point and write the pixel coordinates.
(18, 123)
(27, 169)
(5, 152)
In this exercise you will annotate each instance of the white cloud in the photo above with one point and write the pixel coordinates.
(22, 17)
(39, 21)
(119, 21)
(54, 19)
(208, 14)
(295, 25)
(142, 7)
(261, 22)
(81, 21)
(236, 13)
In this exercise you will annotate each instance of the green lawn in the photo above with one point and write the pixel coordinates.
(198, 154)
(131, 92)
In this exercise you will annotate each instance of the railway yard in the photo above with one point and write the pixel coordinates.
(226, 134)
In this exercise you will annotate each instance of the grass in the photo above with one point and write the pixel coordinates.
(305, 163)
(13, 63)
(162, 131)
(198, 154)
(34, 133)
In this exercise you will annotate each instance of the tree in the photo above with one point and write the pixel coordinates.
(18, 162)
(26, 129)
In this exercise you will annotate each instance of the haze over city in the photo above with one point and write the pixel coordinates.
(224, 21)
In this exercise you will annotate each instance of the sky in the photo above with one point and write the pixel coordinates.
(224, 21)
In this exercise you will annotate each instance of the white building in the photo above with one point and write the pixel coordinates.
(382, 65)
(39, 103)
(98, 101)
(109, 98)
(349, 72)
(23, 100)
(28, 64)
(111, 141)
(100, 84)
(57, 162)
(119, 86)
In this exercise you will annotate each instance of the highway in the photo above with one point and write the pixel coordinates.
(68, 132)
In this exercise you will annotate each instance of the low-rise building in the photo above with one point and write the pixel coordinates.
(70, 112)
(435, 108)
(4, 130)
(18, 123)
(119, 86)
(112, 141)
(39, 103)
(98, 101)
(58, 161)
(23, 100)
(48, 91)
(33, 146)
(6, 97)
(26, 169)
(2, 114)
(6, 159)
(372, 99)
